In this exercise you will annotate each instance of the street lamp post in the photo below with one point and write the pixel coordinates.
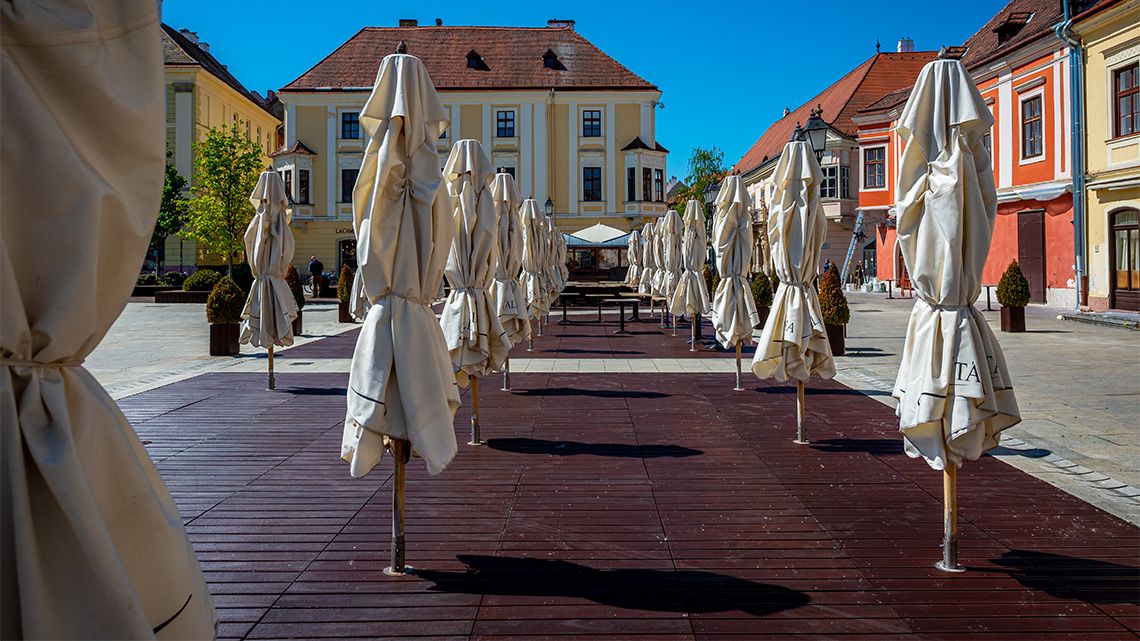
(815, 131)
(548, 209)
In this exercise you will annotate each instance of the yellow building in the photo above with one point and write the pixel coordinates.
(1110, 35)
(200, 94)
(574, 126)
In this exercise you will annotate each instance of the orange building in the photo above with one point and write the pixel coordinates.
(1021, 68)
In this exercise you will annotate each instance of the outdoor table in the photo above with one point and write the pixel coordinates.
(664, 307)
(637, 296)
(621, 303)
(564, 320)
(599, 299)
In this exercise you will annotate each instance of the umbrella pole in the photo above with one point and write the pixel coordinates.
(800, 439)
(400, 451)
(738, 387)
(507, 374)
(475, 412)
(695, 318)
(949, 562)
(272, 383)
(674, 324)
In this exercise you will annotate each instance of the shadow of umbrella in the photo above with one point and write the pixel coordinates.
(655, 590)
(596, 393)
(574, 448)
(564, 350)
(316, 391)
(1069, 577)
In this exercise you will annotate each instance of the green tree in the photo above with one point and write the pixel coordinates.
(706, 168)
(171, 213)
(226, 168)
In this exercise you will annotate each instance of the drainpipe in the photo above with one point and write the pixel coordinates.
(1064, 33)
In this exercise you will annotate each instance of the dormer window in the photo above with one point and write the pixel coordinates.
(475, 61)
(1011, 26)
(550, 61)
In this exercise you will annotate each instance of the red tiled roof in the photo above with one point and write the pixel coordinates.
(513, 57)
(880, 74)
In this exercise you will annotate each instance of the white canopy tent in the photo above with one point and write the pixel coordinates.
(953, 388)
(91, 544)
(401, 386)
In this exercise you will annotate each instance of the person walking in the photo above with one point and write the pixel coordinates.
(316, 271)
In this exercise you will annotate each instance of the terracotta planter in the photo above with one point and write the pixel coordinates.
(1013, 319)
(762, 311)
(298, 325)
(224, 339)
(836, 339)
(342, 312)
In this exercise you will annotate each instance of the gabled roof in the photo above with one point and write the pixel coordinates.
(880, 74)
(598, 233)
(298, 147)
(638, 144)
(513, 57)
(180, 51)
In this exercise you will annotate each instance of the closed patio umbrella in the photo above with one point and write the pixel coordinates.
(358, 298)
(669, 233)
(552, 269)
(691, 297)
(648, 264)
(270, 309)
(563, 269)
(475, 338)
(633, 257)
(401, 385)
(734, 310)
(954, 391)
(532, 265)
(508, 297)
(793, 345)
(91, 544)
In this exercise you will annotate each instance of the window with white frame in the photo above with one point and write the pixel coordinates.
(659, 185)
(1126, 100)
(631, 184)
(592, 184)
(347, 184)
(844, 181)
(646, 184)
(875, 168)
(829, 188)
(591, 123)
(1032, 128)
(350, 125)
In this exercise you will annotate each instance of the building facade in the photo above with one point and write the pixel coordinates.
(576, 128)
(1110, 37)
(1022, 71)
(841, 164)
(201, 94)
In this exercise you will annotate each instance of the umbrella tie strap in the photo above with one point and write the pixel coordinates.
(21, 363)
(426, 302)
(945, 308)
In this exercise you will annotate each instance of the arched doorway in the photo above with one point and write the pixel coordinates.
(346, 253)
(1124, 261)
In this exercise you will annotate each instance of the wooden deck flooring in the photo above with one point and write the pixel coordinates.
(661, 507)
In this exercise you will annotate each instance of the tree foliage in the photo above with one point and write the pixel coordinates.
(226, 168)
(706, 168)
(172, 210)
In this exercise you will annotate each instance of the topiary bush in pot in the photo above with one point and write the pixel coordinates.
(833, 306)
(293, 280)
(172, 279)
(223, 311)
(343, 293)
(202, 280)
(146, 279)
(243, 276)
(762, 295)
(1013, 295)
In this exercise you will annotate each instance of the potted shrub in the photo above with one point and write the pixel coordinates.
(202, 280)
(243, 276)
(293, 279)
(172, 279)
(836, 313)
(1013, 295)
(223, 311)
(762, 294)
(343, 293)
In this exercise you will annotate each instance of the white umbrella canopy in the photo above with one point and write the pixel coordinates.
(270, 309)
(563, 269)
(954, 390)
(532, 258)
(734, 310)
(401, 382)
(508, 297)
(91, 544)
(475, 338)
(358, 298)
(671, 260)
(633, 257)
(794, 343)
(691, 297)
(648, 264)
(551, 270)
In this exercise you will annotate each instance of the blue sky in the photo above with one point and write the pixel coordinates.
(726, 73)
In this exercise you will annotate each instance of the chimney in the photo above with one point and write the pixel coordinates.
(560, 24)
(409, 22)
(787, 111)
(189, 35)
(439, 22)
(906, 45)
